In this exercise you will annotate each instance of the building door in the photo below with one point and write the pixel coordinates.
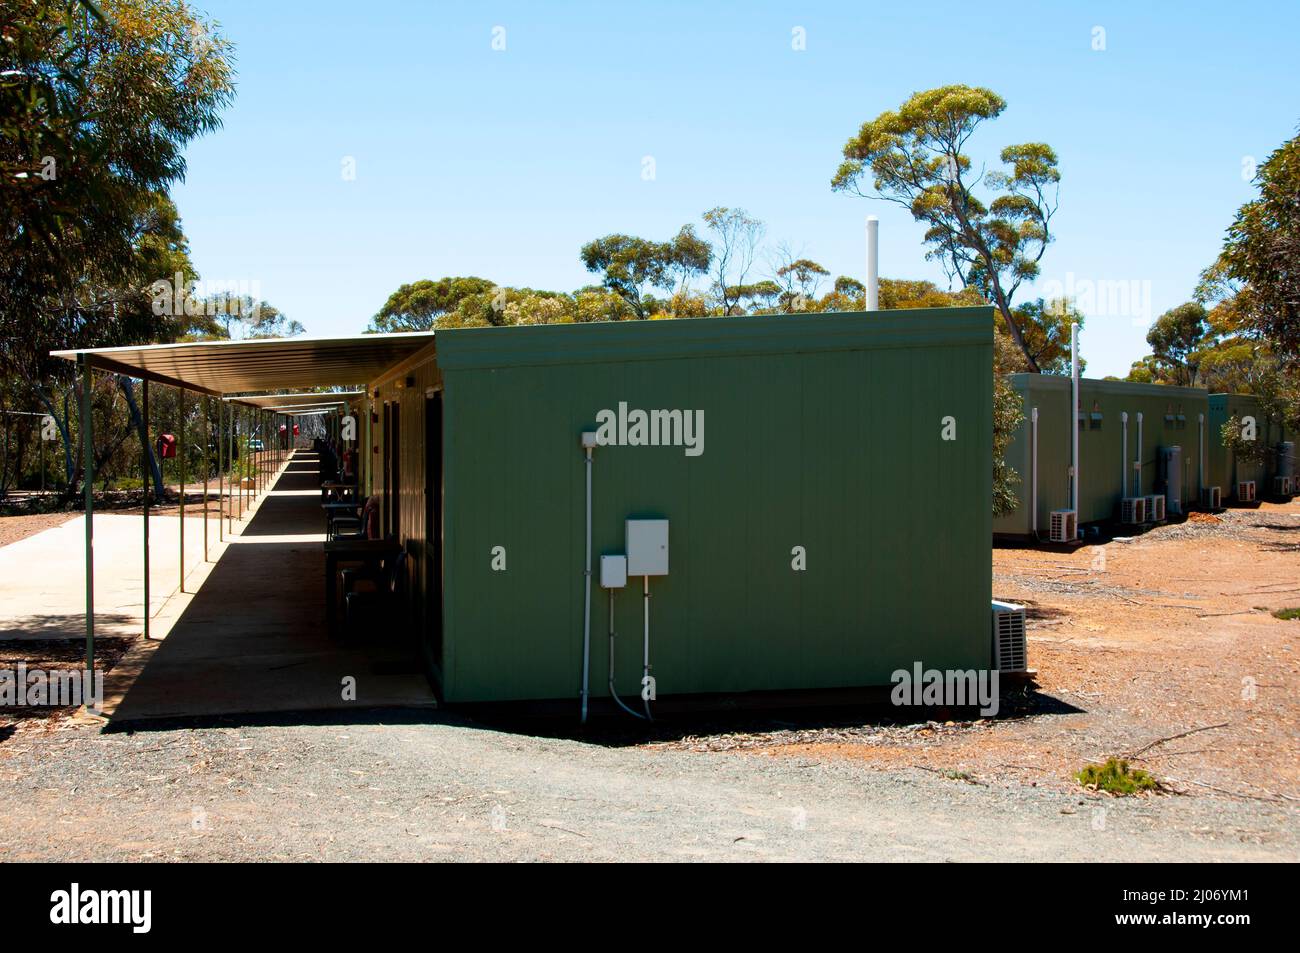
(433, 511)
(386, 462)
(395, 471)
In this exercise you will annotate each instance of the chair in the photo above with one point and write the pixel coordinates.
(374, 601)
(365, 526)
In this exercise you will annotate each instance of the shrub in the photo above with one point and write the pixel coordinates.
(1116, 777)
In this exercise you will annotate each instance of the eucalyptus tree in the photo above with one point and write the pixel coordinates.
(917, 157)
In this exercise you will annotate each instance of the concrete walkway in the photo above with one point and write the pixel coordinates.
(252, 639)
(43, 577)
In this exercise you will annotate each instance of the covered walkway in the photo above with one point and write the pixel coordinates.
(252, 639)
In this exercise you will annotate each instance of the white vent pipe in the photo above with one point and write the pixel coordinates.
(873, 263)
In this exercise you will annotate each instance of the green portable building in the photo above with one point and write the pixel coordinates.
(1227, 468)
(826, 480)
(1123, 427)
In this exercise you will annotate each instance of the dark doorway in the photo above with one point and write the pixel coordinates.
(387, 463)
(395, 470)
(433, 532)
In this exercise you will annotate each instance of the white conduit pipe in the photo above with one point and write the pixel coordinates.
(645, 669)
(1033, 483)
(1137, 462)
(1200, 456)
(588, 442)
(1123, 473)
(613, 692)
(1074, 429)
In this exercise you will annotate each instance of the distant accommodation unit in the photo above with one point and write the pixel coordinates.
(1136, 442)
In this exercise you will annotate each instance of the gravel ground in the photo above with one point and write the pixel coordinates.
(454, 790)
(14, 528)
(1145, 649)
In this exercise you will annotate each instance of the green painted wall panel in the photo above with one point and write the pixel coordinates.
(1101, 445)
(1101, 450)
(820, 431)
(1227, 468)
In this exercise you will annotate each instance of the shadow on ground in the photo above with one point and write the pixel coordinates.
(70, 626)
(617, 729)
(253, 638)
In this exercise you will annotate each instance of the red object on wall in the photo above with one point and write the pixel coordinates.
(166, 446)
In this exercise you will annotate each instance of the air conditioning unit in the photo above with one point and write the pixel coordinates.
(1282, 486)
(1155, 509)
(1133, 510)
(1246, 491)
(1010, 653)
(1211, 498)
(1064, 526)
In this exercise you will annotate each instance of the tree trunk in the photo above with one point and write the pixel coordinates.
(4, 460)
(61, 421)
(976, 243)
(128, 389)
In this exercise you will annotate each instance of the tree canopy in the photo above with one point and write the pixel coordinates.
(1241, 334)
(419, 305)
(916, 156)
(1260, 261)
(97, 104)
(630, 266)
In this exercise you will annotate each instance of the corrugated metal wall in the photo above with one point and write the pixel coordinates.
(821, 431)
(411, 511)
(1227, 468)
(1171, 416)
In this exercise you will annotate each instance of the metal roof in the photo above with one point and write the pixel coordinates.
(317, 399)
(233, 367)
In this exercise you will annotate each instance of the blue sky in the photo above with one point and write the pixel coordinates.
(471, 160)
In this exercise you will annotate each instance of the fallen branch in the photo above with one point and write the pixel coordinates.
(952, 775)
(1252, 797)
(1182, 734)
(1154, 605)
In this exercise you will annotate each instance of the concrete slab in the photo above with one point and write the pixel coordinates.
(43, 577)
(252, 638)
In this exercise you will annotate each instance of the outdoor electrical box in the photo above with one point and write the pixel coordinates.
(613, 572)
(647, 547)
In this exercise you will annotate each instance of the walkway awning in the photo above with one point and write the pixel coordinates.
(237, 367)
(287, 403)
